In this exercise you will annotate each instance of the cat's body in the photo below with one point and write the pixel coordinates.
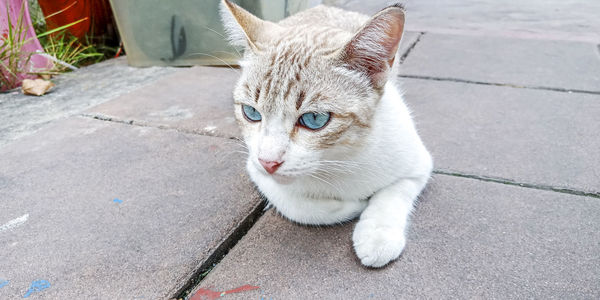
(366, 157)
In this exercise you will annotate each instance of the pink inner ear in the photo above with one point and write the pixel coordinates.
(373, 49)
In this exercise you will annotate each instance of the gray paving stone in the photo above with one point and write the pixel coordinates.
(469, 239)
(198, 99)
(541, 19)
(181, 195)
(557, 64)
(22, 115)
(556, 19)
(531, 136)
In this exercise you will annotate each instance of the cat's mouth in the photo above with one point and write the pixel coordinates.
(281, 176)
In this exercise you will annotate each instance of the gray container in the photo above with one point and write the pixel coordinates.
(187, 32)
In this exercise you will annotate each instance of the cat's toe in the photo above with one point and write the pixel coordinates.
(376, 245)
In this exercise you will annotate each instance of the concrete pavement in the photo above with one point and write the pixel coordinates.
(22, 115)
(144, 195)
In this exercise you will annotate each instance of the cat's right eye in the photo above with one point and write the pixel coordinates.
(250, 113)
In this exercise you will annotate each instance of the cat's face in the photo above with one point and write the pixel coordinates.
(302, 102)
(297, 107)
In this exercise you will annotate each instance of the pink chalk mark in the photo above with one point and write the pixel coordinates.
(212, 295)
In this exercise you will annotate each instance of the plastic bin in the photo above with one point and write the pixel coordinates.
(187, 32)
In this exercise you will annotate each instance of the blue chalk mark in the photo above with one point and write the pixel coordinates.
(37, 286)
(3, 283)
(117, 200)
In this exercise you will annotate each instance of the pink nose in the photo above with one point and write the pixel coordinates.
(270, 166)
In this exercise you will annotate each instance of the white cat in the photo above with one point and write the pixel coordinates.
(328, 133)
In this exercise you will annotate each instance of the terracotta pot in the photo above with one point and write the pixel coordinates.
(97, 15)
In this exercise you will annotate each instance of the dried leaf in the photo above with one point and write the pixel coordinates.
(36, 87)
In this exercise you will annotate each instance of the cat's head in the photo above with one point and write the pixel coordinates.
(307, 95)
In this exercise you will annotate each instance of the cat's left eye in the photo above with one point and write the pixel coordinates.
(314, 120)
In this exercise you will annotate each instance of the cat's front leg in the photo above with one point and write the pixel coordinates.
(380, 235)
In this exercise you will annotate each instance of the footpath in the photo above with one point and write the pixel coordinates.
(141, 192)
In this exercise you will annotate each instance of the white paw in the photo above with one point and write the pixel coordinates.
(377, 244)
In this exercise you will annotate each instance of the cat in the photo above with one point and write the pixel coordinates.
(328, 134)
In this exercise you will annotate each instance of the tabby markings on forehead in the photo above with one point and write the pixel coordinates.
(289, 88)
(300, 100)
(256, 94)
(313, 99)
(268, 82)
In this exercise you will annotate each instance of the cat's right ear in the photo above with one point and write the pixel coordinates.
(243, 28)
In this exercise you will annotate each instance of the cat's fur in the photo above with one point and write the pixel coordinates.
(368, 160)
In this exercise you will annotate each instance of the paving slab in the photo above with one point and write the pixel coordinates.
(111, 211)
(556, 64)
(22, 115)
(539, 19)
(469, 239)
(550, 19)
(197, 99)
(531, 136)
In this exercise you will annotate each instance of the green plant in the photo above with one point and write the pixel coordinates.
(37, 16)
(68, 52)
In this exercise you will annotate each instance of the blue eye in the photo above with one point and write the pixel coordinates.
(314, 121)
(251, 113)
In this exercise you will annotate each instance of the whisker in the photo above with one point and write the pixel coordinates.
(224, 37)
(220, 59)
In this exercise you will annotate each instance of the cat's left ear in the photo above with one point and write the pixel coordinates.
(373, 48)
(245, 29)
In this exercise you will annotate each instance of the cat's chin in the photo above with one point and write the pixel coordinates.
(282, 179)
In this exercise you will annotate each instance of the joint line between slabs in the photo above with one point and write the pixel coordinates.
(192, 281)
(449, 79)
(412, 46)
(519, 184)
(132, 122)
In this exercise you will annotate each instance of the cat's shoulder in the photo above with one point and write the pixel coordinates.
(327, 16)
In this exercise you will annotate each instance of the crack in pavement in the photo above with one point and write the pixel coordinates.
(532, 87)
(409, 50)
(506, 181)
(139, 123)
